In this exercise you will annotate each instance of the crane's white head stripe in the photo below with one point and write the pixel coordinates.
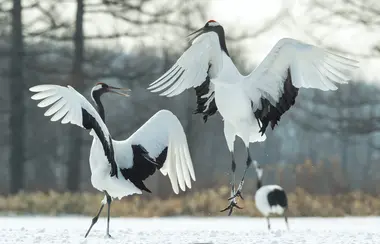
(97, 87)
(94, 89)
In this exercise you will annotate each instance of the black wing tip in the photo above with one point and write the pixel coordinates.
(134, 180)
(205, 114)
(141, 186)
(270, 113)
(145, 188)
(205, 117)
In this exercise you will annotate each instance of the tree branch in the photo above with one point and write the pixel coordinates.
(354, 12)
(267, 26)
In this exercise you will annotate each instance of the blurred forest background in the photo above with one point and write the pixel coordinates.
(327, 144)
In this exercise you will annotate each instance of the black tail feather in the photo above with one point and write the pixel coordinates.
(143, 166)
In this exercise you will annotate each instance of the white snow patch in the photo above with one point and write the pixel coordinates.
(189, 230)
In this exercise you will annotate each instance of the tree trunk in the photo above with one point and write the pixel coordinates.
(77, 79)
(365, 177)
(344, 160)
(17, 88)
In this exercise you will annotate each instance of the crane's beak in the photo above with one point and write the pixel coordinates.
(120, 91)
(196, 33)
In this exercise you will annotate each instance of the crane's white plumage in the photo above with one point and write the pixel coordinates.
(192, 68)
(248, 104)
(310, 67)
(162, 130)
(262, 203)
(66, 104)
(168, 132)
(118, 168)
(236, 95)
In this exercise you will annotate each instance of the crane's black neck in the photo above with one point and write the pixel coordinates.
(222, 39)
(99, 106)
(259, 184)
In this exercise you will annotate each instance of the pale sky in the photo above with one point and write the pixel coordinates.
(251, 14)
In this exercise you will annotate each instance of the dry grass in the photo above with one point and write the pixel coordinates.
(205, 203)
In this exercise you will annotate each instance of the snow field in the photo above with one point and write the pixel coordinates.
(190, 230)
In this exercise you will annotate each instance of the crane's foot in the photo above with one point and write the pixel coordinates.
(108, 236)
(231, 207)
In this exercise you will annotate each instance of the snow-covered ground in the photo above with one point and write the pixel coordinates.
(183, 230)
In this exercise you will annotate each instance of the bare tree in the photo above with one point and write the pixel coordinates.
(346, 115)
(136, 18)
(17, 88)
(58, 50)
(77, 79)
(333, 16)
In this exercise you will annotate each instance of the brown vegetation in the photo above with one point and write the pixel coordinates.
(204, 203)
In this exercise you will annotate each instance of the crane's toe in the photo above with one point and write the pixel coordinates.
(230, 207)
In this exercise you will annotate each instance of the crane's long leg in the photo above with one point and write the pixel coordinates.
(109, 200)
(268, 223)
(233, 169)
(286, 221)
(240, 187)
(95, 219)
(232, 200)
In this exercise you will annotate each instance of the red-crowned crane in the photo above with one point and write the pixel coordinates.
(118, 168)
(270, 199)
(248, 104)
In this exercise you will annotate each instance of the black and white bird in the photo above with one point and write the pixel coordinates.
(118, 168)
(270, 199)
(248, 104)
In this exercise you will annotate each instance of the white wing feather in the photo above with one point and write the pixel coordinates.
(162, 130)
(66, 104)
(310, 67)
(191, 68)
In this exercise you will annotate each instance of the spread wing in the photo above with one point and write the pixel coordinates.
(291, 64)
(159, 144)
(71, 107)
(200, 62)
